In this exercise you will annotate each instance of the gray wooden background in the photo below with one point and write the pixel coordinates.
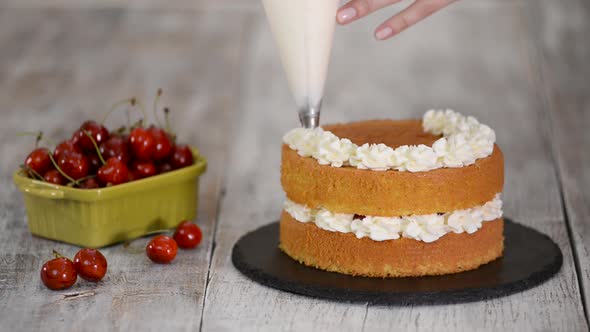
(519, 66)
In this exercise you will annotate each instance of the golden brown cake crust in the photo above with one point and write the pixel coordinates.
(344, 253)
(389, 193)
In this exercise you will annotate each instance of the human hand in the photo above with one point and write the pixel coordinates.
(418, 10)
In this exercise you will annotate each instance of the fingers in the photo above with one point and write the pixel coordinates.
(408, 17)
(356, 9)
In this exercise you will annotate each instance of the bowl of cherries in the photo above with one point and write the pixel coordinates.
(101, 187)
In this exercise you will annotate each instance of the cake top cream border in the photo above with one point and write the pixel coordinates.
(463, 141)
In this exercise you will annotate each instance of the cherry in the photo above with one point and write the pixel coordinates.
(143, 143)
(64, 148)
(113, 172)
(132, 177)
(165, 167)
(98, 132)
(163, 143)
(90, 264)
(182, 157)
(188, 235)
(74, 164)
(94, 162)
(55, 177)
(38, 161)
(90, 184)
(143, 169)
(116, 146)
(162, 249)
(58, 273)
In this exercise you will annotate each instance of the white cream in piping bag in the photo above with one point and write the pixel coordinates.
(303, 31)
(464, 141)
(426, 228)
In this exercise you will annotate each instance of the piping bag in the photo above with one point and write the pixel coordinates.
(303, 31)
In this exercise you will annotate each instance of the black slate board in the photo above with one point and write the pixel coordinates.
(529, 259)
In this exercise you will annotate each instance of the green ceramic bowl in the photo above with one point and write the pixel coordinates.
(99, 217)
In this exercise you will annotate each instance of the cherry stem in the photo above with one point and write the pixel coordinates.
(59, 168)
(121, 130)
(37, 175)
(135, 102)
(81, 180)
(168, 127)
(39, 138)
(116, 105)
(37, 134)
(27, 133)
(156, 101)
(57, 254)
(95, 147)
(167, 118)
(137, 124)
(128, 117)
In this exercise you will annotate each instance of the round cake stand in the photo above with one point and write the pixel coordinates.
(530, 258)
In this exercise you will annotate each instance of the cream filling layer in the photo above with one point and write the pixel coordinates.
(464, 141)
(426, 228)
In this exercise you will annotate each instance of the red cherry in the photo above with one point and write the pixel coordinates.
(132, 177)
(98, 132)
(162, 249)
(90, 184)
(163, 143)
(116, 146)
(58, 273)
(188, 235)
(165, 167)
(182, 157)
(74, 164)
(143, 143)
(64, 148)
(143, 169)
(55, 177)
(90, 264)
(113, 172)
(94, 162)
(39, 161)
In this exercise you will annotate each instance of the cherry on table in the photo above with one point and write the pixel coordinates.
(74, 164)
(113, 172)
(188, 235)
(55, 177)
(116, 146)
(90, 264)
(143, 169)
(98, 132)
(143, 143)
(182, 157)
(163, 144)
(38, 160)
(59, 273)
(162, 249)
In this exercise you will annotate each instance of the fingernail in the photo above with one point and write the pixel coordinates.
(383, 33)
(346, 15)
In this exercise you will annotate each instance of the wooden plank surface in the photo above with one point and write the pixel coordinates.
(561, 32)
(60, 67)
(456, 59)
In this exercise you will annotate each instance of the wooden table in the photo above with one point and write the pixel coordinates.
(519, 66)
